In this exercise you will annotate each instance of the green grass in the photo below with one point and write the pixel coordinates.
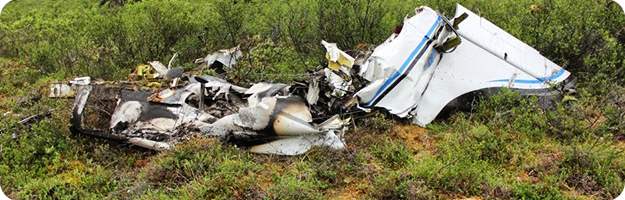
(464, 156)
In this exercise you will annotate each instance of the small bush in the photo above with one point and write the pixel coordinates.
(398, 185)
(393, 154)
(291, 187)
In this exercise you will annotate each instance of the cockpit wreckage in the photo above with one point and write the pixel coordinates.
(431, 63)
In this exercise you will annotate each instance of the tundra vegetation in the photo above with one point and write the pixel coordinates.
(506, 147)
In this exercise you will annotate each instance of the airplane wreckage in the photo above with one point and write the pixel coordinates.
(431, 63)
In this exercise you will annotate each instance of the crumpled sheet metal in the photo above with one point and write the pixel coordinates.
(264, 89)
(300, 144)
(136, 117)
(330, 134)
(283, 121)
(61, 90)
(67, 89)
(170, 109)
(336, 57)
(227, 57)
(405, 64)
(145, 143)
(312, 95)
(270, 120)
(79, 103)
(340, 85)
(160, 69)
(410, 78)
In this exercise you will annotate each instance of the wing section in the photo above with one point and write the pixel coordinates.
(487, 58)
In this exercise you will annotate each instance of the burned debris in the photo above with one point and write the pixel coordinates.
(266, 117)
(428, 63)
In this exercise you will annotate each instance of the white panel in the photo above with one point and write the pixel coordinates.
(506, 47)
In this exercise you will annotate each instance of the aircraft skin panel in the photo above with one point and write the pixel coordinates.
(407, 63)
(397, 56)
(410, 78)
(506, 47)
(470, 68)
(300, 144)
(488, 57)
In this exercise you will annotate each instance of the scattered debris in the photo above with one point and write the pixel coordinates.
(266, 118)
(336, 57)
(61, 90)
(67, 89)
(221, 58)
(428, 63)
(35, 118)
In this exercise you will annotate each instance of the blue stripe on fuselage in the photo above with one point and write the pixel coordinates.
(538, 80)
(403, 67)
